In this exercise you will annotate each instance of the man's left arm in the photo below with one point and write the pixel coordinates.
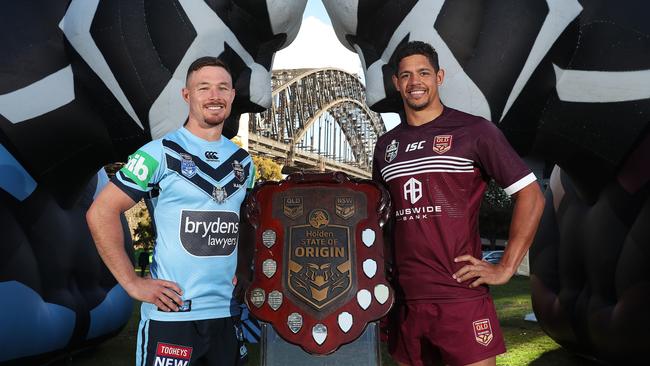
(528, 208)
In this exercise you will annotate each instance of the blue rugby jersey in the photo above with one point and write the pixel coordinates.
(201, 185)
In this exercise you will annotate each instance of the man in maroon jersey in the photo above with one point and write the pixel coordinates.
(436, 167)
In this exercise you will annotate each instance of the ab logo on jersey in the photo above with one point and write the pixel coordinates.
(171, 354)
(412, 190)
(140, 168)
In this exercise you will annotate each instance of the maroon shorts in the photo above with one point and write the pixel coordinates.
(458, 333)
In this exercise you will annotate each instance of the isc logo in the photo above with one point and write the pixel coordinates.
(137, 167)
(414, 146)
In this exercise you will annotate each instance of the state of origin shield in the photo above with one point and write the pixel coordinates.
(319, 274)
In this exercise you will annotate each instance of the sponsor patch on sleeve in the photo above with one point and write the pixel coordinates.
(140, 168)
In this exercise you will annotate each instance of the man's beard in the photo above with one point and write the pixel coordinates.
(214, 121)
(418, 107)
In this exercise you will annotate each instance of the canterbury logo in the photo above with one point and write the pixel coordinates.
(211, 155)
(413, 190)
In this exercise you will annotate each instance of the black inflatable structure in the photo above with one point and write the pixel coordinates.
(568, 82)
(84, 83)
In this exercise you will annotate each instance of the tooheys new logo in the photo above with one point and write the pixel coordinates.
(209, 233)
(140, 168)
(172, 355)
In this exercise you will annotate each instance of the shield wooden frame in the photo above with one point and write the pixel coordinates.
(368, 296)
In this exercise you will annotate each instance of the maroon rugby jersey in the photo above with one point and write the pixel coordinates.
(436, 174)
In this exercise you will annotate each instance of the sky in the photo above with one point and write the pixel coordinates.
(316, 45)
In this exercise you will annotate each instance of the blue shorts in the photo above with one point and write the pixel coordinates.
(191, 343)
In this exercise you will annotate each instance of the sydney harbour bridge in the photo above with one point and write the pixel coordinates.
(319, 121)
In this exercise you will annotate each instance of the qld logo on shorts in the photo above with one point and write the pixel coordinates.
(391, 151)
(442, 143)
(172, 354)
(483, 331)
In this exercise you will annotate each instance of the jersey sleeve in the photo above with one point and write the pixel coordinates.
(142, 172)
(500, 161)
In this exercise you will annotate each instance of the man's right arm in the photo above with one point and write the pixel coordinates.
(106, 228)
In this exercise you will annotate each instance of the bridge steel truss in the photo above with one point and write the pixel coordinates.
(318, 121)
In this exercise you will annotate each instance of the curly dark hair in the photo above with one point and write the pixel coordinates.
(416, 48)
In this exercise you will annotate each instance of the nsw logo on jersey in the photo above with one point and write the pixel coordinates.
(442, 143)
(209, 233)
(172, 354)
(188, 167)
(140, 168)
(391, 151)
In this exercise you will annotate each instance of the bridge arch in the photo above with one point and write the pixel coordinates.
(318, 120)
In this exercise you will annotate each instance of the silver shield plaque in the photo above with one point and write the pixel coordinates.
(257, 297)
(345, 321)
(294, 321)
(319, 333)
(269, 267)
(268, 238)
(275, 299)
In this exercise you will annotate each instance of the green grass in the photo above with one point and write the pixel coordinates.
(527, 343)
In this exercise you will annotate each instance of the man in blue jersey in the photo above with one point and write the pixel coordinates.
(188, 314)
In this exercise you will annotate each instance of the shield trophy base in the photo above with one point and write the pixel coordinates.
(363, 351)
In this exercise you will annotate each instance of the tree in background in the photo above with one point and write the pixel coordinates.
(495, 214)
(143, 234)
(266, 169)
